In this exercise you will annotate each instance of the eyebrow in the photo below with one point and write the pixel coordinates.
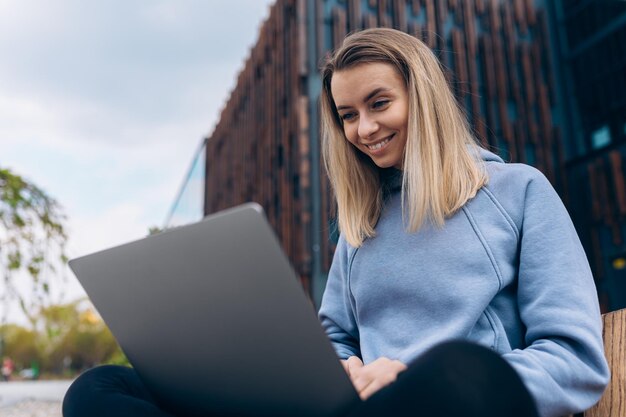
(368, 97)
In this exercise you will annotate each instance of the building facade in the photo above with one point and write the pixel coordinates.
(510, 68)
(591, 57)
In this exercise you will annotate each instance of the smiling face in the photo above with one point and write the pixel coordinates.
(372, 102)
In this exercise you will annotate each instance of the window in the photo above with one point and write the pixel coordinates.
(601, 137)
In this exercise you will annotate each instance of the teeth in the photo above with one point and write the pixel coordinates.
(378, 145)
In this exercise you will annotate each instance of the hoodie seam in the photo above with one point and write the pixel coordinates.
(485, 245)
(502, 211)
(494, 327)
(350, 293)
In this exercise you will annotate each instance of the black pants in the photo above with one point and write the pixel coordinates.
(451, 380)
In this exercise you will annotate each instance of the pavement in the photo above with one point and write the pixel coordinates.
(32, 398)
(32, 408)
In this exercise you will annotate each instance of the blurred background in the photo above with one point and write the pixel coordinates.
(102, 107)
(120, 119)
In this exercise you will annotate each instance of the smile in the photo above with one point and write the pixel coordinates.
(380, 144)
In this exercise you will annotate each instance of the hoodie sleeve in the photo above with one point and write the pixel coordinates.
(563, 364)
(336, 313)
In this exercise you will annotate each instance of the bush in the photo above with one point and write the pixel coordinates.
(67, 340)
(21, 345)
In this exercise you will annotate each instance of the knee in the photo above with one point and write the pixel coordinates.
(473, 377)
(466, 357)
(98, 377)
(460, 348)
(88, 388)
(453, 363)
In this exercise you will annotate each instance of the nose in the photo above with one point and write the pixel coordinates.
(367, 126)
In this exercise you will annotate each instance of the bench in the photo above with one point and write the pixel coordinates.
(613, 401)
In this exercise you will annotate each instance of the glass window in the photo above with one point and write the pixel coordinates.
(189, 204)
(601, 137)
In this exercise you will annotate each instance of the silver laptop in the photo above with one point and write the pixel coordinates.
(215, 322)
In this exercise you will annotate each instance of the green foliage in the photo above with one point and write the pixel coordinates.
(67, 340)
(32, 240)
(21, 344)
(63, 338)
(154, 230)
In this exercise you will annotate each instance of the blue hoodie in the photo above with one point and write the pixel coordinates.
(506, 271)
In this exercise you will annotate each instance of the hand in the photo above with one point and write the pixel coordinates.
(367, 379)
(353, 362)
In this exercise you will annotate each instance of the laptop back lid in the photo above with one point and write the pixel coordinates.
(214, 320)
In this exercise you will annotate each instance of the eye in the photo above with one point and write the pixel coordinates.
(346, 117)
(380, 104)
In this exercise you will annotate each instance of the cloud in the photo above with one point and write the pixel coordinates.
(103, 104)
(108, 64)
(115, 225)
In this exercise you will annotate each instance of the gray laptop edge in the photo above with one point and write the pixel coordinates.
(213, 319)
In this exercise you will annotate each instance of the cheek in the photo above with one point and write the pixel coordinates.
(401, 120)
(351, 134)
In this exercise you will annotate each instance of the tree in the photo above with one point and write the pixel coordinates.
(32, 242)
(76, 334)
(68, 338)
(21, 345)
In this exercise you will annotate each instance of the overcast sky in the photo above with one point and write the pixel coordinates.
(102, 104)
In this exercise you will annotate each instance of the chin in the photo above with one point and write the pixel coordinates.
(385, 164)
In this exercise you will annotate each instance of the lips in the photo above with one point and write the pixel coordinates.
(380, 145)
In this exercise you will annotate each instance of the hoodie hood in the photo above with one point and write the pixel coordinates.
(391, 178)
(487, 156)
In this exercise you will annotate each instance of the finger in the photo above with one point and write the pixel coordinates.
(354, 363)
(400, 366)
(376, 384)
(371, 389)
(372, 377)
(361, 382)
(344, 363)
(388, 365)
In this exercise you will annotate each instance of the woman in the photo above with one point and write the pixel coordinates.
(441, 240)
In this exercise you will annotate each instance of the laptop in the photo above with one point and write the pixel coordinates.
(215, 322)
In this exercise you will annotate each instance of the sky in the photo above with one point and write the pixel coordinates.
(102, 104)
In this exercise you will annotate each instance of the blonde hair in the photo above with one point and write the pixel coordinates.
(441, 167)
